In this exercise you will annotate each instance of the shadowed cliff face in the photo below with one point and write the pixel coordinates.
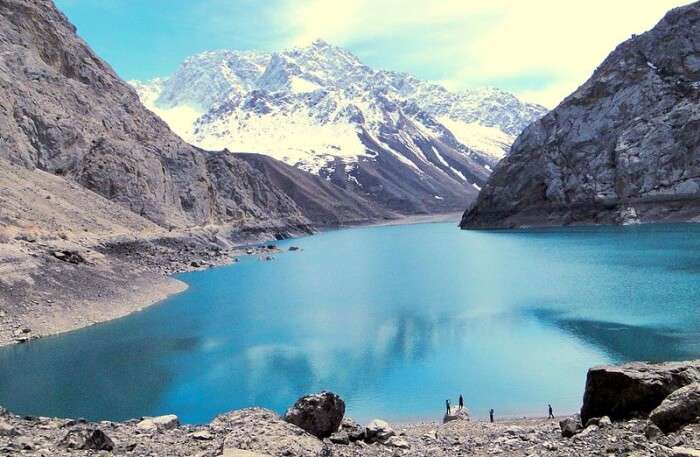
(625, 147)
(65, 111)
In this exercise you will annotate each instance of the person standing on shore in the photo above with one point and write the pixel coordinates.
(491, 415)
(461, 402)
(551, 413)
(447, 406)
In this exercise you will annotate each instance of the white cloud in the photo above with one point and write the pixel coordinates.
(541, 49)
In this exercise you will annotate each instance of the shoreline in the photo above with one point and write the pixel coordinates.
(125, 274)
(257, 432)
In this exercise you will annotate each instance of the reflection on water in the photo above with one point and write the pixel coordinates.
(623, 342)
(395, 319)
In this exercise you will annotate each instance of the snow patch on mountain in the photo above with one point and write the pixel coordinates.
(294, 138)
(489, 140)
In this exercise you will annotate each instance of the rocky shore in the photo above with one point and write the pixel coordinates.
(315, 426)
(57, 282)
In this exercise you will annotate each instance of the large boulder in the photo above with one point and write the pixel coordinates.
(679, 409)
(319, 414)
(634, 389)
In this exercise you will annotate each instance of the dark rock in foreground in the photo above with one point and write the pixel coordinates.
(319, 414)
(634, 389)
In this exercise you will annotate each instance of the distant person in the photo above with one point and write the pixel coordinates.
(447, 405)
(491, 415)
(551, 413)
(461, 402)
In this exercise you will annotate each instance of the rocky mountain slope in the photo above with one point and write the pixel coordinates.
(66, 112)
(625, 147)
(405, 144)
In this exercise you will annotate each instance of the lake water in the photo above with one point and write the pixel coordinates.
(394, 319)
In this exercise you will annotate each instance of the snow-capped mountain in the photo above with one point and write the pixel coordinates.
(411, 145)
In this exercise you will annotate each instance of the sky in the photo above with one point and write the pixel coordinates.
(541, 50)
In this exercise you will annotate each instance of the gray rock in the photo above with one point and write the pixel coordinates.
(652, 432)
(456, 415)
(398, 442)
(680, 408)
(319, 414)
(569, 427)
(202, 435)
(69, 256)
(167, 422)
(634, 389)
(378, 431)
(355, 431)
(587, 431)
(340, 437)
(263, 431)
(87, 439)
(242, 453)
(147, 425)
(685, 452)
(152, 424)
(622, 148)
(7, 429)
(599, 422)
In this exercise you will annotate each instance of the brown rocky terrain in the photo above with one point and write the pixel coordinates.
(623, 148)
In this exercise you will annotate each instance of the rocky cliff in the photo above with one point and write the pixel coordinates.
(625, 147)
(63, 110)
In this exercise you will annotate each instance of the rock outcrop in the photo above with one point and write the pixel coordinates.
(634, 389)
(680, 408)
(65, 111)
(319, 414)
(623, 148)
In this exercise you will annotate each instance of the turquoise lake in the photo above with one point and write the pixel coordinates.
(395, 319)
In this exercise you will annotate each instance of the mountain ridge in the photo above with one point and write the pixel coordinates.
(319, 108)
(623, 148)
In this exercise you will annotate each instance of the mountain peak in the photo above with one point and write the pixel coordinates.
(320, 43)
